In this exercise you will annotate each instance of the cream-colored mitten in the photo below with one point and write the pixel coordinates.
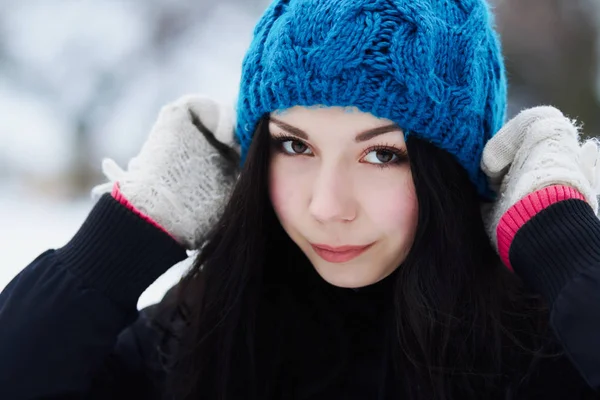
(179, 179)
(536, 149)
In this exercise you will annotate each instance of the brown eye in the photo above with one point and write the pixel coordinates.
(381, 157)
(384, 156)
(295, 147)
(299, 147)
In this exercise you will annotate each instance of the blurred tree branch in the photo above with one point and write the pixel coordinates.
(550, 47)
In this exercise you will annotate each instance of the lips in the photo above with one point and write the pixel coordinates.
(339, 254)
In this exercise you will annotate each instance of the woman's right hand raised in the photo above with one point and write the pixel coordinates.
(185, 171)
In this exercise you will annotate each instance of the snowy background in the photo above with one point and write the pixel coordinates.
(82, 80)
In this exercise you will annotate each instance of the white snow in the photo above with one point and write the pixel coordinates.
(32, 137)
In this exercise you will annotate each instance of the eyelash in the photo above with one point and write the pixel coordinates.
(401, 154)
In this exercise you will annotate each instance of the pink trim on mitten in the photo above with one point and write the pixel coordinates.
(117, 195)
(524, 210)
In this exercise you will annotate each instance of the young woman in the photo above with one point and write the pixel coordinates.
(351, 257)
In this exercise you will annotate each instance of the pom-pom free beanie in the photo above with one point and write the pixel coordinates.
(434, 67)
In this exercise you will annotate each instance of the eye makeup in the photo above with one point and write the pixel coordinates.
(385, 155)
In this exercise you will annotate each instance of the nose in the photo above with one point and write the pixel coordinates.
(332, 197)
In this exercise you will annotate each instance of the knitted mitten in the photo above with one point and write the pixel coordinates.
(538, 154)
(184, 173)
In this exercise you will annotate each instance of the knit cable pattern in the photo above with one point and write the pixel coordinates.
(432, 66)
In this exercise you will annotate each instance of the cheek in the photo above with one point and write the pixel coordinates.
(287, 187)
(392, 203)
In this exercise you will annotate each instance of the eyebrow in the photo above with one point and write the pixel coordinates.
(361, 137)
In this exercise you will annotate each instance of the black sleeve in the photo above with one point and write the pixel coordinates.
(64, 317)
(557, 253)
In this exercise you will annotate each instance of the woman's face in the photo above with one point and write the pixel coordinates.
(341, 186)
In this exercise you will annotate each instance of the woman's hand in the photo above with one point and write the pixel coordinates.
(184, 172)
(536, 150)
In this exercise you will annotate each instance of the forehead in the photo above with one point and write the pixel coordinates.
(317, 119)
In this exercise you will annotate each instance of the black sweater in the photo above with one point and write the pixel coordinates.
(69, 328)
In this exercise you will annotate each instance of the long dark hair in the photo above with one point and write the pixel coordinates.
(464, 325)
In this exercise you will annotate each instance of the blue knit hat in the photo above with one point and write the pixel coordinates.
(434, 67)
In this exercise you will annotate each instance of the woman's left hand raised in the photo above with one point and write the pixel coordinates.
(536, 157)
